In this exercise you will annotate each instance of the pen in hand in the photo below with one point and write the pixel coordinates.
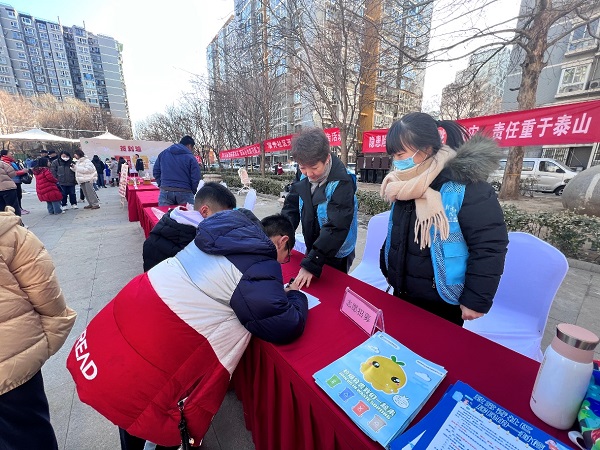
(290, 282)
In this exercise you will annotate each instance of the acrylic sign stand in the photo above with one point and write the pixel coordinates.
(362, 313)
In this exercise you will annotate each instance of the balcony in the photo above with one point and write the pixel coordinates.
(582, 46)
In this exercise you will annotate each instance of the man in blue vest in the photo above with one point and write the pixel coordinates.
(324, 200)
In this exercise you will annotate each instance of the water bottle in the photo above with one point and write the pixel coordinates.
(564, 375)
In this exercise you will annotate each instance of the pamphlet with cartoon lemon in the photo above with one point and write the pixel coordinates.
(381, 385)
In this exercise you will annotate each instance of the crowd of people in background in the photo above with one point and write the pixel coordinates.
(58, 172)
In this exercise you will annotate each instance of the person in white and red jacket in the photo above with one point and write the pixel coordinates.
(167, 344)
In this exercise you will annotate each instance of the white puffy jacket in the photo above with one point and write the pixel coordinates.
(85, 171)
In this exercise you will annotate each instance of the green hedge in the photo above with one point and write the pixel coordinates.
(576, 235)
(371, 203)
(263, 185)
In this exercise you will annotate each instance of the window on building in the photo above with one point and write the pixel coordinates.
(14, 24)
(46, 45)
(19, 45)
(56, 91)
(65, 82)
(53, 81)
(3, 69)
(44, 36)
(29, 31)
(51, 72)
(41, 26)
(49, 63)
(54, 26)
(36, 61)
(573, 78)
(581, 39)
(41, 88)
(29, 84)
(21, 55)
(26, 20)
(24, 65)
(17, 35)
(2, 60)
(68, 91)
(10, 13)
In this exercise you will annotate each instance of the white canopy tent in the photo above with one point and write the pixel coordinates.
(35, 134)
(107, 135)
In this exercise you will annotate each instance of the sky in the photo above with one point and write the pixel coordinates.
(164, 43)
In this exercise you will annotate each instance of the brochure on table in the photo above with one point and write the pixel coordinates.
(466, 419)
(381, 385)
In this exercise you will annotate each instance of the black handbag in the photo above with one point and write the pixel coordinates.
(27, 178)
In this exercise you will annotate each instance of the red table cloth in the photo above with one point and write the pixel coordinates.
(145, 199)
(148, 219)
(285, 409)
(132, 204)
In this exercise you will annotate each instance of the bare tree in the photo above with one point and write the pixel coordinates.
(460, 101)
(70, 117)
(532, 41)
(532, 38)
(245, 95)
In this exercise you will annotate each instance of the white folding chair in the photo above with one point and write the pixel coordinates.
(300, 246)
(245, 180)
(368, 270)
(533, 272)
(250, 200)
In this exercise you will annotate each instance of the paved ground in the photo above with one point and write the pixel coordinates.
(97, 252)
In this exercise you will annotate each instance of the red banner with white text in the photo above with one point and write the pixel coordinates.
(278, 144)
(284, 143)
(242, 152)
(575, 123)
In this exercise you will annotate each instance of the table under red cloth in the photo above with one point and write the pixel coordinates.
(285, 409)
(145, 199)
(148, 219)
(132, 204)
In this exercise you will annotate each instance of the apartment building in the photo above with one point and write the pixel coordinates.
(38, 57)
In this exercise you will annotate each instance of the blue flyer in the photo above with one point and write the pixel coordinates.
(381, 385)
(465, 419)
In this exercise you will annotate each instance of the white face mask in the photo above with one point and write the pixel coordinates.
(65, 158)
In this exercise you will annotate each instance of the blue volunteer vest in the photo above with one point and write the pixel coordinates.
(350, 242)
(449, 256)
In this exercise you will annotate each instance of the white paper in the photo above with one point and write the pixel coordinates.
(468, 429)
(312, 300)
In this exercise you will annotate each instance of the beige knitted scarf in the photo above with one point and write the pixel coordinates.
(413, 184)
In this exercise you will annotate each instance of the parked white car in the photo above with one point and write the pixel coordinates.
(548, 175)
